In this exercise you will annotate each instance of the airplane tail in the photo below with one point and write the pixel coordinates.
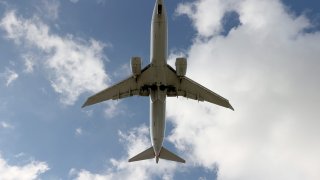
(164, 154)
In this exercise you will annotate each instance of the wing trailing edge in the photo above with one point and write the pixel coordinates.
(186, 87)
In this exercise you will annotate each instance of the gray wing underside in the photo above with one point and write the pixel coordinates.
(128, 87)
(183, 86)
(176, 86)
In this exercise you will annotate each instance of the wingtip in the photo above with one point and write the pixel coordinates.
(85, 104)
(230, 107)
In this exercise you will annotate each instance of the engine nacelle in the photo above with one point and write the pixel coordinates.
(136, 66)
(181, 66)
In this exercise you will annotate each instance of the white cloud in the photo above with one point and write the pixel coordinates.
(122, 72)
(29, 63)
(115, 108)
(78, 131)
(49, 9)
(74, 65)
(10, 76)
(267, 67)
(31, 170)
(5, 125)
(135, 141)
(206, 15)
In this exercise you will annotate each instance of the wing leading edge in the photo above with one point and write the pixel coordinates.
(183, 86)
(128, 87)
(176, 86)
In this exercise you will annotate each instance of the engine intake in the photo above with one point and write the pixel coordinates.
(181, 67)
(136, 66)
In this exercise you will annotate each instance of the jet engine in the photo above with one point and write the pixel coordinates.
(181, 66)
(136, 66)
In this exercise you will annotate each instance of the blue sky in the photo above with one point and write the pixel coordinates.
(262, 55)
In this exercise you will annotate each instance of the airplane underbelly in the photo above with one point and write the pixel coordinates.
(159, 46)
(157, 123)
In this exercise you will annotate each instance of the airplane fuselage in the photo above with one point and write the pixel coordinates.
(158, 80)
(158, 58)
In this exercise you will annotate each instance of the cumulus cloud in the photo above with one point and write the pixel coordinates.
(10, 76)
(267, 67)
(135, 141)
(206, 15)
(31, 170)
(74, 65)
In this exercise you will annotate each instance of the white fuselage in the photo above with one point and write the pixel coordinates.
(158, 80)
(158, 58)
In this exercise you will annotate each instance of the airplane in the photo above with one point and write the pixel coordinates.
(158, 80)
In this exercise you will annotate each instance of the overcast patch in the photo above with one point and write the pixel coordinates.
(74, 65)
(267, 67)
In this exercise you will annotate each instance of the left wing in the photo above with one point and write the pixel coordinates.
(128, 87)
(190, 89)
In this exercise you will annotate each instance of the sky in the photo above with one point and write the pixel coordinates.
(262, 55)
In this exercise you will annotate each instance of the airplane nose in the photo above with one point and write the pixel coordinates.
(159, 9)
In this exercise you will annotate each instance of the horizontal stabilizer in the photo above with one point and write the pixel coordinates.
(147, 154)
(166, 154)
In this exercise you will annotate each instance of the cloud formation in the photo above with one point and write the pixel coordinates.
(78, 132)
(5, 125)
(31, 170)
(267, 67)
(49, 9)
(10, 76)
(74, 65)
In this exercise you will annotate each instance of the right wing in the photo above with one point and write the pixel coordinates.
(188, 88)
(128, 87)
